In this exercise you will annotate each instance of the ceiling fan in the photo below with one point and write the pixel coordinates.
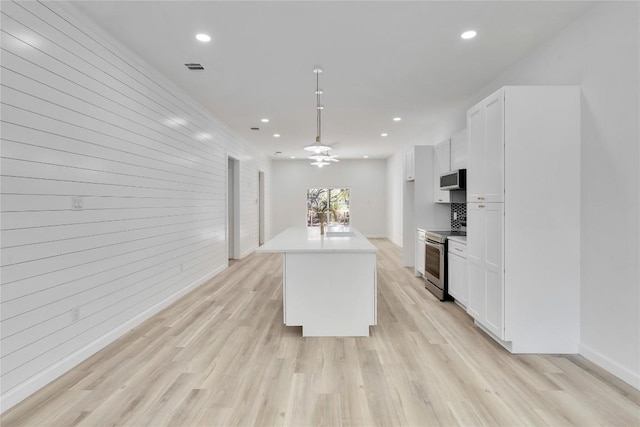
(324, 157)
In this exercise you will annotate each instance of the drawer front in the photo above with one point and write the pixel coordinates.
(457, 248)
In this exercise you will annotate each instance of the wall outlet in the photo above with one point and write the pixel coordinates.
(76, 203)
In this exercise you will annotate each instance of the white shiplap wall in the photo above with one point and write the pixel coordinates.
(113, 193)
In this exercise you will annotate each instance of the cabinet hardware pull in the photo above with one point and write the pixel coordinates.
(481, 206)
(480, 198)
(458, 249)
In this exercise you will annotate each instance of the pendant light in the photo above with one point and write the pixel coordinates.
(323, 157)
(318, 147)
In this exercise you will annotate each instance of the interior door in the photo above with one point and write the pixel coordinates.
(261, 189)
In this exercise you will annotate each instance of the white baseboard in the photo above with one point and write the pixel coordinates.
(248, 251)
(631, 378)
(506, 344)
(35, 383)
(375, 236)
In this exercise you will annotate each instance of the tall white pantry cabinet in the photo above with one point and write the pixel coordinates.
(523, 217)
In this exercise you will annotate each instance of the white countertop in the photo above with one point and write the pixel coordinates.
(308, 239)
(459, 239)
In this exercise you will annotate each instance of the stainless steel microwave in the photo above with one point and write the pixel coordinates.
(454, 180)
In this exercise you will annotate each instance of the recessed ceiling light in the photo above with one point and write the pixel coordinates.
(366, 157)
(468, 34)
(203, 37)
(194, 66)
(264, 120)
(293, 157)
(276, 135)
(397, 119)
(175, 122)
(384, 134)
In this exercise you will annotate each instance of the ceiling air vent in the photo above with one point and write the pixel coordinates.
(194, 66)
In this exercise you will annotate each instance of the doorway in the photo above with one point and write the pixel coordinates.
(260, 208)
(233, 210)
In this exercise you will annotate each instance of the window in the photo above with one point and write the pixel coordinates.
(333, 203)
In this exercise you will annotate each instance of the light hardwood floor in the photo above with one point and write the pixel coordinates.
(221, 356)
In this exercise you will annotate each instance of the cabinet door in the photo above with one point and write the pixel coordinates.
(494, 268)
(485, 236)
(494, 148)
(463, 282)
(459, 148)
(476, 154)
(442, 164)
(420, 255)
(452, 289)
(409, 165)
(476, 218)
(485, 171)
(458, 286)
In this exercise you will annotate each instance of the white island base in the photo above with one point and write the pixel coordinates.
(329, 282)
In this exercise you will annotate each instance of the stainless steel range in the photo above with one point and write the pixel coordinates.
(436, 260)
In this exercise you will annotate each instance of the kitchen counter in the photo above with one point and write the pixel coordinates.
(309, 239)
(459, 239)
(328, 282)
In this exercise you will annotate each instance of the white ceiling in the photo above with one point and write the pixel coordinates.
(381, 59)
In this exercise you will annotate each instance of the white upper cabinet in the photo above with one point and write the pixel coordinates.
(485, 174)
(459, 148)
(494, 148)
(441, 164)
(476, 162)
(409, 166)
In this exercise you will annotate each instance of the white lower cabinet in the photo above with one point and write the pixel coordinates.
(485, 225)
(420, 253)
(458, 279)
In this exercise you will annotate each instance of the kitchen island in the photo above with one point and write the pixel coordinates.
(328, 281)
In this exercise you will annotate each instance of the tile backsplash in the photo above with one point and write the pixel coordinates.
(460, 209)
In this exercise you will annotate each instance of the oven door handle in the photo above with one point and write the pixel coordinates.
(434, 245)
